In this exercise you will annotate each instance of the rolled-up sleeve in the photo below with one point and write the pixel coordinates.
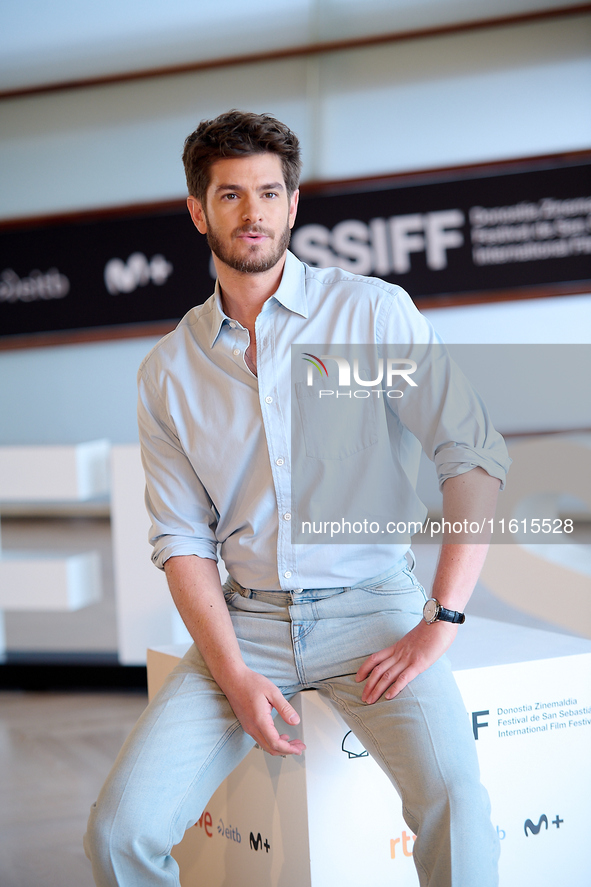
(182, 515)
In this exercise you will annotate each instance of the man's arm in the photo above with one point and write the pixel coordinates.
(472, 495)
(195, 586)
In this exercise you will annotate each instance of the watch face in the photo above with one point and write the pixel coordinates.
(430, 610)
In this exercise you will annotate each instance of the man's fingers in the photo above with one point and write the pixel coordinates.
(380, 667)
(390, 686)
(385, 671)
(284, 709)
(282, 745)
(285, 745)
(270, 740)
(253, 699)
(404, 678)
(379, 681)
(370, 663)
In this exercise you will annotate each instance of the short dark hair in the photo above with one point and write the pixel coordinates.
(238, 134)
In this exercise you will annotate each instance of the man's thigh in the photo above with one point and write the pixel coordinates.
(184, 745)
(189, 740)
(422, 739)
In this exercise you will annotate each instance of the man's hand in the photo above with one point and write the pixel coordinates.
(390, 670)
(252, 697)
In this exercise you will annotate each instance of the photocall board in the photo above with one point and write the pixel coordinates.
(462, 235)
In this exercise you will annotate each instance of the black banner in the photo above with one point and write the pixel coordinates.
(137, 269)
(477, 234)
(464, 234)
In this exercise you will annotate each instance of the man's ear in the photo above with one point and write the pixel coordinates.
(197, 214)
(293, 207)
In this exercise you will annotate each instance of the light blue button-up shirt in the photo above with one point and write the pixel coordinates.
(216, 439)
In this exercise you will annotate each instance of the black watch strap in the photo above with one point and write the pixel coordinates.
(445, 615)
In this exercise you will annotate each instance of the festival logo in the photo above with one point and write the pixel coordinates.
(352, 747)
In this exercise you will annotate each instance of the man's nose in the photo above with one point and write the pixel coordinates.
(251, 210)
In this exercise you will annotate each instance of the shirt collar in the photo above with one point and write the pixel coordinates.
(292, 289)
(291, 294)
(218, 315)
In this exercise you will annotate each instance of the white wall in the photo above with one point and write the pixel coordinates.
(487, 95)
(463, 98)
(71, 393)
(45, 41)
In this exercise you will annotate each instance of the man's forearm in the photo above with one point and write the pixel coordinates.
(196, 589)
(471, 496)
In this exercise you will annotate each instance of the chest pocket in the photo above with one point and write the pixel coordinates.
(334, 427)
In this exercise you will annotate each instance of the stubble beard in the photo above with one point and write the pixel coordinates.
(255, 264)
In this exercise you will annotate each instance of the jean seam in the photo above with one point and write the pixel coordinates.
(114, 818)
(383, 580)
(392, 592)
(223, 740)
(414, 583)
(365, 729)
(298, 659)
(427, 728)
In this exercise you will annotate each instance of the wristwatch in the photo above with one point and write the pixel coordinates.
(434, 612)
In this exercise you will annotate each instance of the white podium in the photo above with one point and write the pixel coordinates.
(332, 817)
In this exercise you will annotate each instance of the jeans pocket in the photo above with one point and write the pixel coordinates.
(401, 582)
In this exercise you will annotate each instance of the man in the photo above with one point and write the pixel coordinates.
(214, 414)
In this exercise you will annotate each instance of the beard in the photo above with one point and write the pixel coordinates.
(255, 264)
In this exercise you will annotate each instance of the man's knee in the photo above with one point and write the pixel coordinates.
(97, 838)
(118, 837)
(104, 837)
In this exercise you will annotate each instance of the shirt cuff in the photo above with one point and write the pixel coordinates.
(172, 546)
(453, 461)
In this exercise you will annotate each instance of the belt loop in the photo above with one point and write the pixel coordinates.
(233, 585)
(410, 559)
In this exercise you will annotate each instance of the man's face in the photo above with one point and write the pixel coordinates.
(247, 216)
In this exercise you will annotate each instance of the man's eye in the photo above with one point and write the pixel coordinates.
(271, 194)
(230, 196)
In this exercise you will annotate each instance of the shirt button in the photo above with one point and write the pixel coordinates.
(268, 399)
(287, 574)
(287, 516)
(232, 324)
(236, 352)
(279, 461)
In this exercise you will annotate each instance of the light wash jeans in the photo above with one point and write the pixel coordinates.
(188, 739)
